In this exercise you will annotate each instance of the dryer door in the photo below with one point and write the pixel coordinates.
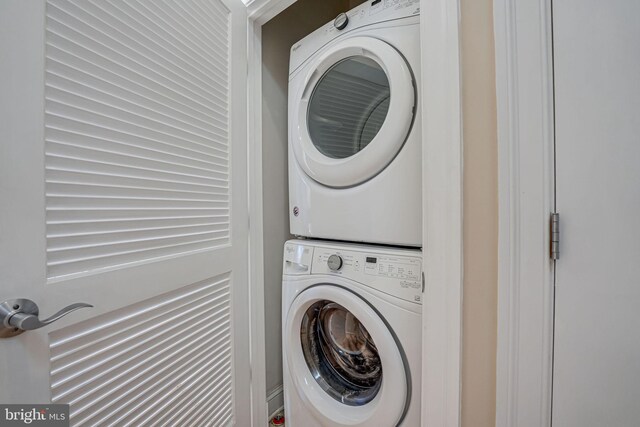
(345, 362)
(353, 111)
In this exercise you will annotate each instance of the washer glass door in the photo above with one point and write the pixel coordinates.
(354, 110)
(340, 353)
(342, 359)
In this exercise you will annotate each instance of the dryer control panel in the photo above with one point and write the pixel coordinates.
(394, 272)
(372, 12)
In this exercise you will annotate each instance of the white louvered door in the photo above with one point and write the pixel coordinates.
(123, 184)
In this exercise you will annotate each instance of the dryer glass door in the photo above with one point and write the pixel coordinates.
(348, 107)
(354, 111)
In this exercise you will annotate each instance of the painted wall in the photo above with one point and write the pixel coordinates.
(278, 35)
(480, 225)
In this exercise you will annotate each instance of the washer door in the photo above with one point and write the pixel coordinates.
(344, 361)
(354, 112)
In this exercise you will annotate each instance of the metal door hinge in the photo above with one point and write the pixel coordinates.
(555, 236)
(423, 282)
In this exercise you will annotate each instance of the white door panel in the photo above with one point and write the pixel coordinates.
(123, 185)
(597, 93)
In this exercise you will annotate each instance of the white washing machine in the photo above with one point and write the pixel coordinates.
(351, 335)
(354, 127)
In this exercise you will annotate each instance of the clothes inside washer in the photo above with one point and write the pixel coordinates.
(340, 353)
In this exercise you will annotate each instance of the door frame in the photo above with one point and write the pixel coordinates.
(524, 83)
(442, 209)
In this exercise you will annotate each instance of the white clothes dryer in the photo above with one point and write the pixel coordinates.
(351, 335)
(354, 127)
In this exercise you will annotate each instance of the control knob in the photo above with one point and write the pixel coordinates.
(334, 262)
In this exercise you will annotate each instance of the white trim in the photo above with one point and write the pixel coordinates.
(261, 11)
(275, 401)
(442, 212)
(239, 186)
(525, 160)
(259, 408)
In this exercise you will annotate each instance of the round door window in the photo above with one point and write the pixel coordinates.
(340, 353)
(348, 107)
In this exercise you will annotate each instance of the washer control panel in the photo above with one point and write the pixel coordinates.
(391, 267)
(394, 272)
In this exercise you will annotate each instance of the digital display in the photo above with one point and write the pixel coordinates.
(372, 259)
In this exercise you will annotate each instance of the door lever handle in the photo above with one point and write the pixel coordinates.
(20, 315)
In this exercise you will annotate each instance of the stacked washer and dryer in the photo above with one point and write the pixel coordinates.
(352, 280)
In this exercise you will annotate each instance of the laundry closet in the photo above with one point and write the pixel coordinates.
(341, 162)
